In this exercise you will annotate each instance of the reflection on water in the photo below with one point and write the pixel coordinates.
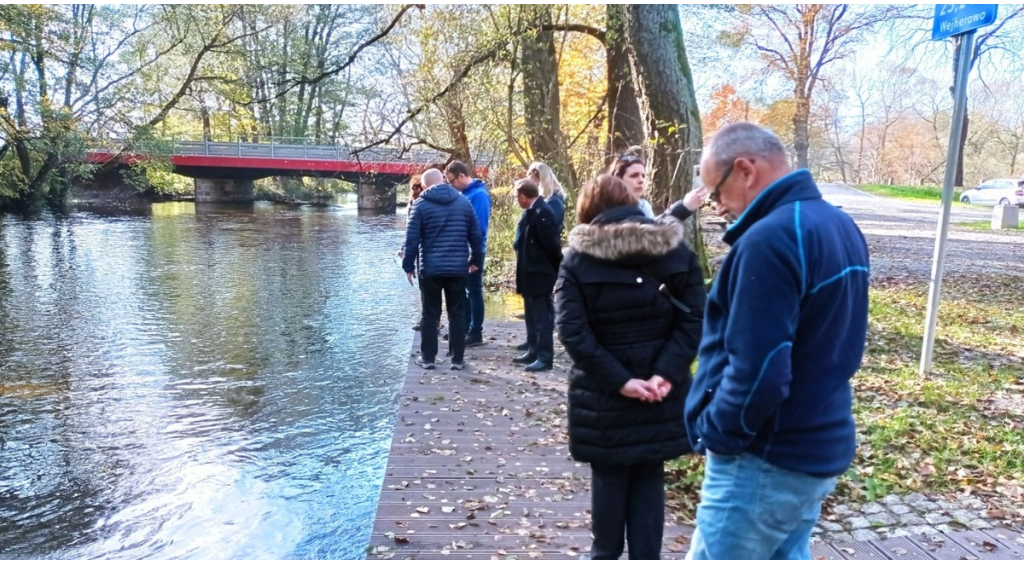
(216, 382)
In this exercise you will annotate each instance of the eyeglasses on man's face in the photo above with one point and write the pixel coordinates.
(716, 193)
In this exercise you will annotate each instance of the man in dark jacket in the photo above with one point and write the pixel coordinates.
(475, 191)
(538, 254)
(444, 234)
(784, 332)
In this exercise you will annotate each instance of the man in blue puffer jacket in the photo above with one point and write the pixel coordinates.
(784, 332)
(444, 234)
(475, 191)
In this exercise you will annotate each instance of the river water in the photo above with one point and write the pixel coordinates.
(217, 382)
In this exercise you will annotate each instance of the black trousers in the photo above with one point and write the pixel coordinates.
(454, 288)
(540, 326)
(630, 500)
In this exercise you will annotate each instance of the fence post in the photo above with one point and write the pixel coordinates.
(239, 146)
(271, 147)
(304, 155)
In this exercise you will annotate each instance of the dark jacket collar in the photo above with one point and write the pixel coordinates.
(797, 185)
(620, 214)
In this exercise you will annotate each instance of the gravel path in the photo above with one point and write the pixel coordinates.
(901, 236)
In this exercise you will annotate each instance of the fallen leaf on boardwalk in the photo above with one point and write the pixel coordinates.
(995, 514)
(457, 526)
(899, 551)
(423, 509)
(988, 546)
(445, 551)
(571, 552)
(462, 544)
(848, 550)
(536, 554)
(447, 509)
(502, 551)
(401, 540)
(674, 547)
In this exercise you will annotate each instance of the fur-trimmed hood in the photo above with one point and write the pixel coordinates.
(631, 237)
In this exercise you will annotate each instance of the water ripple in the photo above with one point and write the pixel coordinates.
(197, 383)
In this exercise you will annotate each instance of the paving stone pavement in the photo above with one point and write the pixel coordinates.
(900, 516)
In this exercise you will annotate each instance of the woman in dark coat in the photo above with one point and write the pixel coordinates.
(632, 346)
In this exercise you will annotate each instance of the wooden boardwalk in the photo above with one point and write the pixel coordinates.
(479, 469)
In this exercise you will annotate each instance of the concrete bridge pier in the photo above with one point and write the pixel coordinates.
(223, 190)
(376, 197)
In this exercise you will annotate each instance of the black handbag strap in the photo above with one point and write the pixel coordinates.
(664, 291)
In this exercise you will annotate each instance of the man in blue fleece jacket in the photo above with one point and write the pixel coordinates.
(475, 191)
(784, 332)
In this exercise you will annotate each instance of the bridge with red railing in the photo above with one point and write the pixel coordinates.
(224, 171)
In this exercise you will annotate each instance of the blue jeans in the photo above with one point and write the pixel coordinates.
(475, 305)
(750, 509)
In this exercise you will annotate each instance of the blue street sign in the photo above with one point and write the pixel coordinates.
(954, 19)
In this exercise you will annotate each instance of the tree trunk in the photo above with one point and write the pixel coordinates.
(455, 120)
(801, 117)
(541, 102)
(661, 74)
(625, 123)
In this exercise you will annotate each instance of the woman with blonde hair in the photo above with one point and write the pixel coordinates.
(551, 189)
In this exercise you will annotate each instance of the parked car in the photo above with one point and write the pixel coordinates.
(998, 191)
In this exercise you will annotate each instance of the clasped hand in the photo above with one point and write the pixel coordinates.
(653, 389)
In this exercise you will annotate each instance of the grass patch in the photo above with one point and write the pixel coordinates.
(985, 226)
(957, 430)
(912, 193)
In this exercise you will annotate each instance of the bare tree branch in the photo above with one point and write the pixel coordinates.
(594, 32)
(476, 61)
(352, 56)
(586, 126)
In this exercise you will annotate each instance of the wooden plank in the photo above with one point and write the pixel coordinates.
(941, 547)
(902, 548)
(823, 551)
(984, 546)
(860, 550)
(1009, 540)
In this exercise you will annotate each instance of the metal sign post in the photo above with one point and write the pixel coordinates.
(951, 20)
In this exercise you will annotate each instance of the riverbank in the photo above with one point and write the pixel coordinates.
(479, 469)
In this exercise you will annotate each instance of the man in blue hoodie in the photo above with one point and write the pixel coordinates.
(443, 235)
(475, 191)
(784, 333)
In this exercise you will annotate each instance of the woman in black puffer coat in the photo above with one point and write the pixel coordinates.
(632, 346)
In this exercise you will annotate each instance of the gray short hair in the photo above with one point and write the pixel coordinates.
(743, 139)
(431, 177)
